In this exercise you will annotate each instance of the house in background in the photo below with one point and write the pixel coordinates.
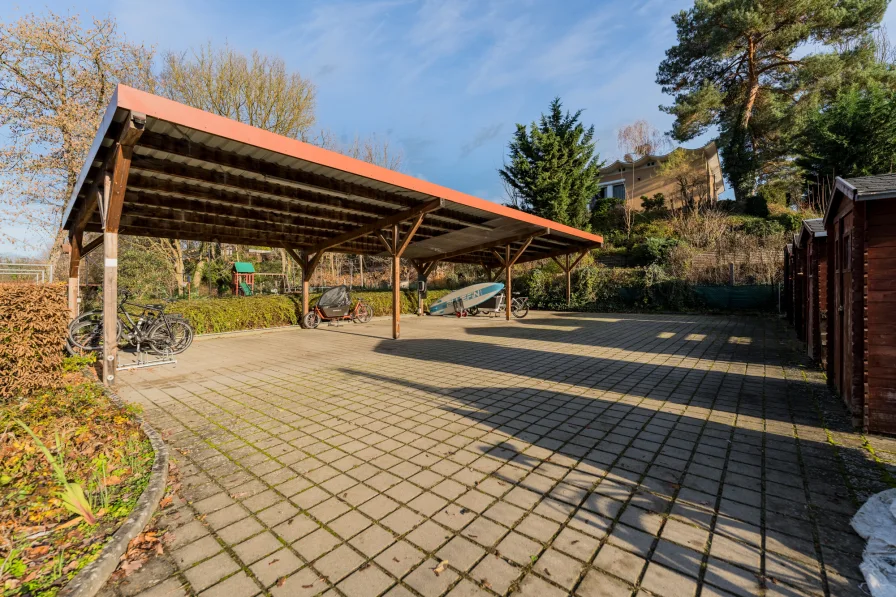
(696, 177)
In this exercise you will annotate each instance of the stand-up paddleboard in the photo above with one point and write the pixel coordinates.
(471, 296)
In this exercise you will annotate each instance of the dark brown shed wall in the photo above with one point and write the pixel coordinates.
(880, 321)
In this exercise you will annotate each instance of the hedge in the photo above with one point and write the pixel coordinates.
(208, 316)
(33, 323)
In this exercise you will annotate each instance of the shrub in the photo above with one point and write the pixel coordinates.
(653, 250)
(231, 314)
(789, 220)
(33, 321)
(756, 205)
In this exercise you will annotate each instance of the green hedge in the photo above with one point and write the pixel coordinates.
(208, 316)
(597, 288)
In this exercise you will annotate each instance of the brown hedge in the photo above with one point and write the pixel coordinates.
(33, 320)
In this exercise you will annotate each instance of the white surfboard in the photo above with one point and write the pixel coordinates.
(471, 296)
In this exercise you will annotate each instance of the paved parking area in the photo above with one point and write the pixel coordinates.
(562, 454)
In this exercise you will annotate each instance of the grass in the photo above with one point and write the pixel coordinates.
(87, 440)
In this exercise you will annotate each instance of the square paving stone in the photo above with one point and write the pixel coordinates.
(402, 520)
(195, 552)
(273, 566)
(597, 584)
(317, 543)
(211, 571)
(372, 541)
(369, 581)
(339, 563)
(303, 583)
(559, 568)
(496, 574)
(257, 547)
(532, 586)
(668, 583)
(484, 531)
(429, 536)
(238, 585)
(619, 563)
(400, 558)
(461, 553)
(350, 524)
(520, 549)
(425, 581)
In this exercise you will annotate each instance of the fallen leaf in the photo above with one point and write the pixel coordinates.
(165, 502)
(440, 568)
(574, 541)
(274, 561)
(307, 586)
(111, 480)
(546, 571)
(396, 560)
(281, 581)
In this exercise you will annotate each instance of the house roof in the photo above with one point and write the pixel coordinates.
(199, 176)
(611, 168)
(863, 188)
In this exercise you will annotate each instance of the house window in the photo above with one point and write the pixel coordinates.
(619, 191)
(602, 193)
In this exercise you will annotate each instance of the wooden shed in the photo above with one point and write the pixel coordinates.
(813, 240)
(798, 277)
(787, 290)
(861, 227)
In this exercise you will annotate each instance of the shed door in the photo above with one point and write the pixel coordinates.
(844, 251)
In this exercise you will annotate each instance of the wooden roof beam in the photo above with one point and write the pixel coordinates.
(378, 225)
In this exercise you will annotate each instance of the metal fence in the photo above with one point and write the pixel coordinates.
(38, 273)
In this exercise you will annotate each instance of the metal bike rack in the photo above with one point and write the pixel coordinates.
(166, 358)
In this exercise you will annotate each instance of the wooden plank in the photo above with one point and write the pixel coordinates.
(508, 283)
(74, 265)
(392, 220)
(219, 189)
(516, 238)
(110, 307)
(409, 235)
(314, 182)
(569, 249)
(89, 247)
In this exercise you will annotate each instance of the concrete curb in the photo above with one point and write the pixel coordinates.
(91, 579)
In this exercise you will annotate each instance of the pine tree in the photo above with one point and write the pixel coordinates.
(554, 170)
(736, 67)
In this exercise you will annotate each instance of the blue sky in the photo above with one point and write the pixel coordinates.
(443, 80)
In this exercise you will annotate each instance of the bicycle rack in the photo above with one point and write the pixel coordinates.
(142, 361)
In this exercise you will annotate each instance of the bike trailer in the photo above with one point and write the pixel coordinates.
(335, 302)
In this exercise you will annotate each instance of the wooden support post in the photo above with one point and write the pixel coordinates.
(508, 291)
(396, 283)
(567, 269)
(111, 203)
(75, 240)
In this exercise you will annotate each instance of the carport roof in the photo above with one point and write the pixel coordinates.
(198, 176)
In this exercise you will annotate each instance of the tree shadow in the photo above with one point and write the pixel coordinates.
(618, 467)
(657, 336)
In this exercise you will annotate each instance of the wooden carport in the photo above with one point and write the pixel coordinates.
(161, 169)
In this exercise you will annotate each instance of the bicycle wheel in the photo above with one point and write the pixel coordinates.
(311, 321)
(364, 313)
(86, 331)
(520, 308)
(173, 338)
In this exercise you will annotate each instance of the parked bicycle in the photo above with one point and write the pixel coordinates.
(335, 305)
(519, 306)
(141, 326)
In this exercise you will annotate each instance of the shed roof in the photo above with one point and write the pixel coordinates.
(198, 176)
(813, 228)
(243, 267)
(863, 188)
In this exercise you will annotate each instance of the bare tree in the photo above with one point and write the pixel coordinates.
(637, 140)
(56, 77)
(257, 89)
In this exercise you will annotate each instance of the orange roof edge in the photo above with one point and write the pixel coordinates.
(168, 110)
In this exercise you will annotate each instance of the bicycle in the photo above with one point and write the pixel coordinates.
(162, 333)
(519, 306)
(335, 305)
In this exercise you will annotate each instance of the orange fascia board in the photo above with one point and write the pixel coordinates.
(128, 98)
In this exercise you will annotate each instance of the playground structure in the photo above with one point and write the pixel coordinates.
(243, 278)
